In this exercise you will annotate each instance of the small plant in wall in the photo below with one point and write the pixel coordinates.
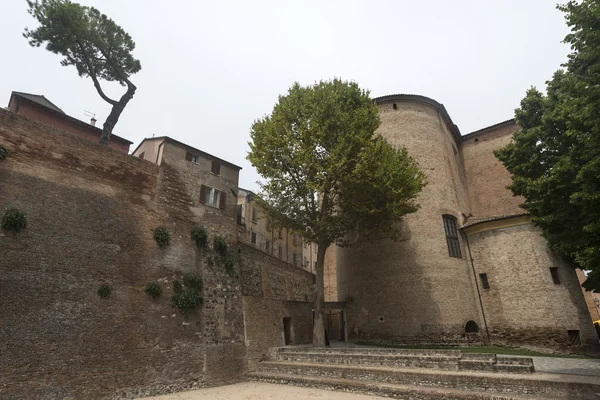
(154, 290)
(104, 290)
(187, 296)
(162, 236)
(14, 220)
(200, 237)
(220, 245)
(3, 152)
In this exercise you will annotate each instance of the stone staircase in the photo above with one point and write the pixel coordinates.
(420, 374)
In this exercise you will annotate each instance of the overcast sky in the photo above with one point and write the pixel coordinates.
(210, 68)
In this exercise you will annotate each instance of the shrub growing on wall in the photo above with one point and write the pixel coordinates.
(220, 245)
(200, 236)
(14, 220)
(104, 290)
(188, 296)
(3, 152)
(154, 290)
(162, 236)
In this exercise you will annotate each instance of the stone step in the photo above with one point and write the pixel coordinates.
(412, 392)
(449, 361)
(548, 386)
(370, 350)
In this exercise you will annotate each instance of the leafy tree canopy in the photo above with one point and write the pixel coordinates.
(90, 41)
(328, 174)
(554, 159)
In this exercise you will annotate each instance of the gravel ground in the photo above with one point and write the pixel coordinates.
(260, 391)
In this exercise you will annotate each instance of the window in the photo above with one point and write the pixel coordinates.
(215, 168)
(280, 251)
(574, 338)
(192, 157)
(212, 197)
(476, 140)
(395, 106)
(305, 261)
(451, 236)
(142, 154)
(280, 234)
(267, 245)
(253, 214)
(253, 238)
(471, 327)
(484, 281)
(554, 273)
(294, 258)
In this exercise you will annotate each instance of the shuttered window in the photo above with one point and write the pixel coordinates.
(452, 236)
(215, 168)
(484, 281)
(191, 157)
(212, 197)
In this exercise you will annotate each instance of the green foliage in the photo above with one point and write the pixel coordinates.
(326, 171)
(200, 236)
(188, 296)
(3, 152)
(104, 290)
(154, 290)
(162, 236)
(14, 220)
(220, 245)
(554, 160)
(90, 41)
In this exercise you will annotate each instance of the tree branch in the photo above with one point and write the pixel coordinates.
(92, 74)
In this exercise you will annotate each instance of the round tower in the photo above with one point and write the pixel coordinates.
(420, 288)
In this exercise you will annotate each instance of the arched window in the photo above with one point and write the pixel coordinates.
(471, 327)
(451, 236)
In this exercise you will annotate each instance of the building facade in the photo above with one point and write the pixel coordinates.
(41, 109)
(469, 265)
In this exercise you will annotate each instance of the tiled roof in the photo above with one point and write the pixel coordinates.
(478, 220)
(39, 99)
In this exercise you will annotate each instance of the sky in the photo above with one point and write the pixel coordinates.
(211, 68)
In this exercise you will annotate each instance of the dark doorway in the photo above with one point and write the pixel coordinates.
(334, 324)
(471, 327)
(287, 331)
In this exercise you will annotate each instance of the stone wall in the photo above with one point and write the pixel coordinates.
(523, 306)
(91, 212)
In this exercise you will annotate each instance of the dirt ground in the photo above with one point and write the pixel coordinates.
(262, 391)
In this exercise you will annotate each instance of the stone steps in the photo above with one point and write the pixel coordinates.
(401, 391)
(545, 386)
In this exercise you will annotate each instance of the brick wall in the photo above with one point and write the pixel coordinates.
(91, 212)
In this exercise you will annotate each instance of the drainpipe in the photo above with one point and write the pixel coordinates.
(486, 339)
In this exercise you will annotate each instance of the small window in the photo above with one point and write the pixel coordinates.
(395, 106)
(476, 140)
(194, 159)
(471, 327)
(142, 154)
(280, 251)
(191, 157)
(294, 258)
(574, 338)
(484, 281)
(554, 273)
(253, 214)
(215, 168)
(212, 197)
(253, 237)
(451, 236)
(280, 234)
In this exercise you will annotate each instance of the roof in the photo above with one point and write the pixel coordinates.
(480, 220)
(490, 128)
(189, 148)
(39, 99)
(44, 102)
(425, 100)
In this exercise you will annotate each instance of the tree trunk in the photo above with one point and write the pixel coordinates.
(319, 326)
(115, 113)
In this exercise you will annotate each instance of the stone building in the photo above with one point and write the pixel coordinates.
(39, 108)
(469, 265)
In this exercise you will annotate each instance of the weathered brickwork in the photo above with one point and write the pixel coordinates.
(91, 212)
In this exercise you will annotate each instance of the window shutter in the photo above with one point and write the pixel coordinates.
(222, 201)
(215, 168)
(142, 155)
(202, 193)
(188, 156)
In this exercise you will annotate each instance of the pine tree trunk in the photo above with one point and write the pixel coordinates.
(115, 113)
(319, 325)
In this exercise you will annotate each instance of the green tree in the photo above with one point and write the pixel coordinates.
(554, 159)
(93, 43)
(328, 174)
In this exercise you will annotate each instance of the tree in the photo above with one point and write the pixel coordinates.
(328, 174)
(93, 43)
(554, 159)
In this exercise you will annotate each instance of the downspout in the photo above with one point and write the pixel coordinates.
(486, 340)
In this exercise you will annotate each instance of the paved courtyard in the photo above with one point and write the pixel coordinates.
(260, 391)
(571, 366)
